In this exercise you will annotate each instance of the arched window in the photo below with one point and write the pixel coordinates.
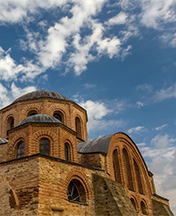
(32, 112)
(133, 202)
(143, 208)
(76, 192)
(58, 115)
(45, 146)
(67, 152)
(127, 170)
(138, 178)
(20, 150)
(78, 127)
(116, 166)
(10, 123)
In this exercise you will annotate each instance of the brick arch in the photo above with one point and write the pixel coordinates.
(71, 148)
(55, 109)
(80, 176)
(122, 140)
(135, 204)
(44, 133)
(29, 108)
(145, 205)
(138, 177)
(128, 168)
(13, 114)
(19, 136)
(79, 127)
(12, 144)
(117, 164)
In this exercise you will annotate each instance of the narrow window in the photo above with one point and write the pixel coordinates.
(45, 146)
(20, 150)
(10, 123)
(78, 127)
(143, 208)
(133, 202)
(67, 152)
(76, 192)
(127, 170)
(116, 166)
(138, 178)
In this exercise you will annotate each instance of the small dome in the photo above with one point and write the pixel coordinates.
(40, 118)
(41, 94)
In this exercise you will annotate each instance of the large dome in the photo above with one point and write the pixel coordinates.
(40, 118)
(41, 94)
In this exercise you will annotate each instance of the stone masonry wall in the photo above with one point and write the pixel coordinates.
(111, 198)
(54, 179)
(19, 187)
(3, 152)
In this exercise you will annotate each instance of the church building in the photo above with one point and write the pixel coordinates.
(49, 167)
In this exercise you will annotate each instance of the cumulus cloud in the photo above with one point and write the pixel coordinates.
(97, 113)
(10, 69)
(7, 95)
(162, 157)
(78, 36)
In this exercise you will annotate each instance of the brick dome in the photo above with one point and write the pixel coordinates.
(41, 94)
(40, 118)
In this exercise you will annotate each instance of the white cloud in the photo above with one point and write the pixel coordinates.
(8, 95)
(139, 104)
(164, 94)
(162, 141)
(169, 39)
(162, 164)
(10, 70)
(157, 12)
(161, 127)
(97, 112)
(17, 92)
(137, 129)
(120, 18)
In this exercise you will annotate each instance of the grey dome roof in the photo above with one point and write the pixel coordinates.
(41, 94)
(40, 118)
(98, 145)
(3, 141)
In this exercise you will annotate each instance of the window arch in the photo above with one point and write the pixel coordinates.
(127, 168)
(116, 166)
(10, 123)
(20, 150)
(138, 178)
(78, 127)
(134, 203)
(45, 146)
(143, 208)
(67, 152)
(76, 192)
(32, 112)
(59, 115)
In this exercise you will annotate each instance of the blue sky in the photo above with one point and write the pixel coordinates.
(114, 58)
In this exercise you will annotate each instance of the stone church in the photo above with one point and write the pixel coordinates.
(49, 167)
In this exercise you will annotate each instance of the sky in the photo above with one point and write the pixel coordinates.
(117, 59)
